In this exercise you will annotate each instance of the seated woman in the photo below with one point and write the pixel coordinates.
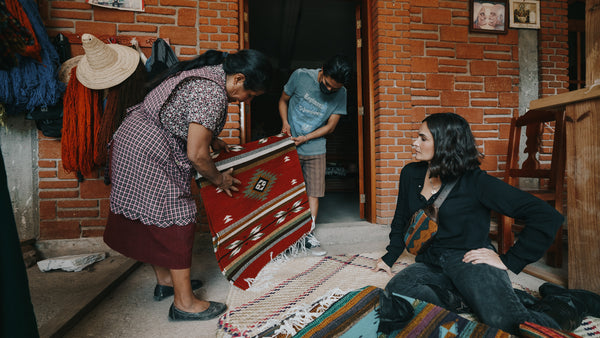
(459, 269)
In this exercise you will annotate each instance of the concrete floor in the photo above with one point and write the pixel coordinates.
(114, 297)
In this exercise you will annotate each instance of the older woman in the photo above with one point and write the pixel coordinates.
(153, 153)
(460, 269)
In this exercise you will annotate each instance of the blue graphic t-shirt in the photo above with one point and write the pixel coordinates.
(309, 108)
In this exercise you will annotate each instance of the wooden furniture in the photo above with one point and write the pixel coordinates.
(549, 185)
(582, 123)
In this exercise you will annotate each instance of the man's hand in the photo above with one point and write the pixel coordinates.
(485, 256)
(382, 266)
(299, 140)
(286, 129)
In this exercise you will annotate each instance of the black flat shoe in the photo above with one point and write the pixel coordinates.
(214, 310)
(590, 299)
(162, 291)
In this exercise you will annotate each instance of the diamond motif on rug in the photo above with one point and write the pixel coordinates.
(260, 185)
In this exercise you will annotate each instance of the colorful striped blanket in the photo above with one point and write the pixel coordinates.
(269, 214)
(311, 294)
(433, 321)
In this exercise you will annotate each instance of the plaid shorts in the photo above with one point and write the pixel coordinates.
(313, 170)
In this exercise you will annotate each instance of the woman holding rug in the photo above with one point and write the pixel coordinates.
(459, 269)
(153, 153)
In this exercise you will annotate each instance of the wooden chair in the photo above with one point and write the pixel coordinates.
(551, 185)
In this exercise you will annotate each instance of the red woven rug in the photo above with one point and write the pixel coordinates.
(269, 214)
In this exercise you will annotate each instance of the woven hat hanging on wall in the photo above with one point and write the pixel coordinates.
(105, 65)
(64, 72)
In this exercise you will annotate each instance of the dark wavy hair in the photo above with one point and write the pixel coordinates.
(455, 150)
(338, 68)
(255, 66)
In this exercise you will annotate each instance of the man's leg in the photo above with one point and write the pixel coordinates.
(313, 203)
(313, 170)
(312, 242)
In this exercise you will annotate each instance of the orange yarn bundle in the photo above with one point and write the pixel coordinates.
(16, 10)
(82, 109)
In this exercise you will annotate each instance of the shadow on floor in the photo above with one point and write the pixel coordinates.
(338, 207)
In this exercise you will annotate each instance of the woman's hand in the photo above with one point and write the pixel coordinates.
(227, 184)
(200, 140)
(382, 266)
(485, 256)
(217, 145)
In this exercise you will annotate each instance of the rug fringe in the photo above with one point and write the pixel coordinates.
(266, 274)
(304, 314)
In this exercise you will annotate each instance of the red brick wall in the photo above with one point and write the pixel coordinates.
(425, 60)
(392, 100)
(72, 209)
(68, 208)
(554, 53)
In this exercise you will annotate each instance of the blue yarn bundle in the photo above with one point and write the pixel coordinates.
(32, 84)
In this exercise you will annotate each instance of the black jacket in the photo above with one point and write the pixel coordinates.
(464, 218)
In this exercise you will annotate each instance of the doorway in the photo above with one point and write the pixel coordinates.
(303, 34)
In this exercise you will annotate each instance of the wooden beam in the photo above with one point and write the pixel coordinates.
(561, 100)
(592, 42)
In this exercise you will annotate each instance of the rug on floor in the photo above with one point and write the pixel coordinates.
(268, 214)
(290, 294)
(294, 286)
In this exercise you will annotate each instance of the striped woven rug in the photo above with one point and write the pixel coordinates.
(289, 295)
(266, 216)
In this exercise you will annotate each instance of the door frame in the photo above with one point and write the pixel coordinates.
(366, 123)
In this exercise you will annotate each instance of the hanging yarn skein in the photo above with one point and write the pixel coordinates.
(15, 38)
(81, 120)
(34, 50)
(32, 84)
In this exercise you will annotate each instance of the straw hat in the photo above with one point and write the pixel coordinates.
(64, 72)
(105, 65)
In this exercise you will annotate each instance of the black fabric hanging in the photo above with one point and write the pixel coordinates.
(63, 47)
(162, 58)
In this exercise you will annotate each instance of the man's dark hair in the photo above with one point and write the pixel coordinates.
(338, 68)
(455, 150)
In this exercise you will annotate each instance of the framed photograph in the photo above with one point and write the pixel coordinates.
(525, 14)
(489, 16)
(125, 5)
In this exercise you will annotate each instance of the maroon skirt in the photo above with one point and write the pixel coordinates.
(169, 247)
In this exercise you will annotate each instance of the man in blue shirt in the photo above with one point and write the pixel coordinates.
(310, 107)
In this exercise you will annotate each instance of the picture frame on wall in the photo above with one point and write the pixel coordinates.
(124, 5)
(524, 14)
(488, 16)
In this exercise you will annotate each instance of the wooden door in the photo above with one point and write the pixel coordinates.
(366, 149)
(361, 110)
(245, 112)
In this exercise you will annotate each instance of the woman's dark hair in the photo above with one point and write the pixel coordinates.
(455, 150)
(255, 66)
(338, 68)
